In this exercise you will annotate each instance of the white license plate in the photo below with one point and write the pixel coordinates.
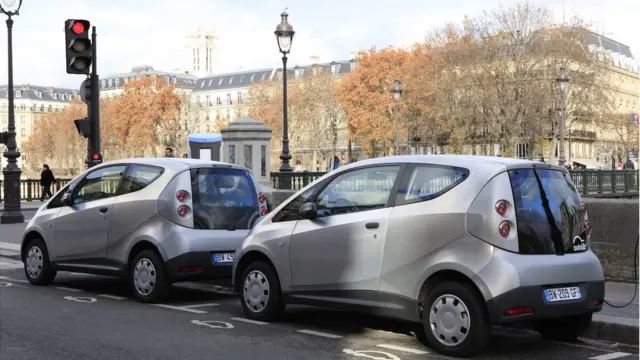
(562, 294)
(224, 257)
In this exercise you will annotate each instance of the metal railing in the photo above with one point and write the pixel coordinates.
(592, 183)
(606, 183)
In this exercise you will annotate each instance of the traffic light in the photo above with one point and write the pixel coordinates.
(85, 91)
(79, 48)
(84, 127)
(96, 158)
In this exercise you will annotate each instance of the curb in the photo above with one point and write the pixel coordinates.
(11, 255)
(600, 330)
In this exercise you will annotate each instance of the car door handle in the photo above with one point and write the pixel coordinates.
(103, 210)
(372, 225)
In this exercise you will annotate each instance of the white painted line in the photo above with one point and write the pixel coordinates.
(81, 299)
(9, 246)
(249, 321)
(181, 308)
(14, 280)
(66, 288)
(112, 297)
(199, 305)
(610, 356)
(318, 333)
(400, 348)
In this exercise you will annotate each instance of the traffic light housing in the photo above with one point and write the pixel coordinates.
(85, 91)
(96, 159)
(84, 127)
(79, 48)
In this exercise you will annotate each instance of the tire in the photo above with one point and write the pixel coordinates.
(37, 267)
(256, 303)
(148, 277)
(474, 329)
(567, 329)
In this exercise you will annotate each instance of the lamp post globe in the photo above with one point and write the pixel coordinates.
(284, 35)
(11, 213)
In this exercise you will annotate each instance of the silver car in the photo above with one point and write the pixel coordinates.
(452, 244)
(151, 221)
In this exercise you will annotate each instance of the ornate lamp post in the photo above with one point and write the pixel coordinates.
(396, 92)
(563, 81)
(12, 213)
(284, 34)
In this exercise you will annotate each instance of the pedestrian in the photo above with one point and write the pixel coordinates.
(46, 179)
(168, 152)
(629, 165)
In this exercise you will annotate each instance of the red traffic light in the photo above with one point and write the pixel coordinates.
(78, 27)
(95, 156)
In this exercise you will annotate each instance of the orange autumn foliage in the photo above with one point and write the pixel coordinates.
(365, 95)
(144, 118)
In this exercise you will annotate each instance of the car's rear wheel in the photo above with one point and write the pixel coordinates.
(568, 328)
(37, 267)
(455, 321)
(148, 277)
(260, 294)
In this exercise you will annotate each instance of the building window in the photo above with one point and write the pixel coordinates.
(263, 160)
(522, 150)
(55, 96)
(49, 108)
(248, 156)
(42, 108)
(334, 69)
(18, 93)
(208, 100)
(23, 132)
(240, 97)
(229, 102)
(218, 101)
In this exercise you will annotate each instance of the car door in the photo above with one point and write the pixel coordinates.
(81, 229)
(342, 249)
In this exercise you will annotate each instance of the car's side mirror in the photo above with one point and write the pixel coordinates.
(67, 199)
(308, 211)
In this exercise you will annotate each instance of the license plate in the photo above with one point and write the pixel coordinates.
(562, 294)
(224, 257)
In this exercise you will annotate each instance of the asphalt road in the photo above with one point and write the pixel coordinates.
(90, 317)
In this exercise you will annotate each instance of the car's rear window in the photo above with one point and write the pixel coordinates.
(548, 211)
(224, 199)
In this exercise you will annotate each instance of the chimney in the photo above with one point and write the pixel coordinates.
(28, 86)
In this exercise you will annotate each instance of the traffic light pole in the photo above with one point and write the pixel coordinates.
(94, 104)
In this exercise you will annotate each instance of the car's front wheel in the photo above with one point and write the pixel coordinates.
(568, 328)
(37, 267)
(260, 296)
(454, 321)
(148, 277)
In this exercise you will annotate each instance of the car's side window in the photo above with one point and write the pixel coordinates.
(291, 211)
(358, 190)
(99, 184)
(56, 202)
(426, 182)
(138, 177)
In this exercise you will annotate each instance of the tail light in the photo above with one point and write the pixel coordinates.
(183, 210)
(264, 211)
(261, 198)
(504, 229)
(181, 196)
(501, 207)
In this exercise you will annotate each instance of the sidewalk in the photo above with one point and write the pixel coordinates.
(617, 324)
(25, 205)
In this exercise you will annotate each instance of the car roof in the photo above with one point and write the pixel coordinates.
(174, 163)
(467, 161)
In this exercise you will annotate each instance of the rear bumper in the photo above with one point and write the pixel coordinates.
(197, 266)
(532, 297)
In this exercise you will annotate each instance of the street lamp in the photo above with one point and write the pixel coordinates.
(12, 213)
(396, 92)
(284, 34)
(563, 81)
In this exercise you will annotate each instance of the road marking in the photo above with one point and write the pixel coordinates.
(199, 305)
(610, 356)
(213, 324)
(5, 284)
(9, 246)
(249, 321)
(366, 354)
(112, 297)
(181, 308)
(14, 280)
(405, 349)
(66, 288)
(318, 333)
(88, 300)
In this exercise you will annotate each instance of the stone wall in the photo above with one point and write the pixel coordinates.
(614, 236)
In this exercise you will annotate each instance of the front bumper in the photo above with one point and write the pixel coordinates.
(197, 266)
(532, 298)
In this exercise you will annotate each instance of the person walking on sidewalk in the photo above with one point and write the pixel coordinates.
(46, 179)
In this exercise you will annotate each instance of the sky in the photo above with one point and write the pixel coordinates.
(152, 32)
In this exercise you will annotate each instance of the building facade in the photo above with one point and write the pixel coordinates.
(201, 51)
(31, 103)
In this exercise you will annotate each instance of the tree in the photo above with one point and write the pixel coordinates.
(625, 132)
(147, 114)
(265, 104)
(365, 96)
